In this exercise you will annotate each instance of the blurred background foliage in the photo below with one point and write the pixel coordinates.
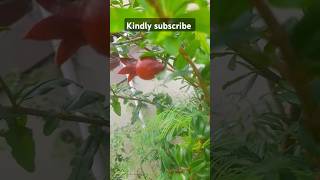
(283, 141)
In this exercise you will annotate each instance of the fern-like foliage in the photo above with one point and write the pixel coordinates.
(179, 138)
(269, 147)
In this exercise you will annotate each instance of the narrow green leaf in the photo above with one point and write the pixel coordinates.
(116, 106)
(235, 9)
(51, 124)
(82, 162)
(237, 79)
(22, 145)
(232, 63)
(180, 62)
(43, 88)
(83, 99)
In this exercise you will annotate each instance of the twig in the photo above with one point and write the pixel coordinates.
(279, 35)
(157, 7)
(7, 91)
(128, 41)
(185, 77)
(134, 99)
(130, 98)
(61, 116)
(292, 72)
(221, 54)
(202, 84)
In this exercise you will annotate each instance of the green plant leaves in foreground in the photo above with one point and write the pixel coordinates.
(20, 139)
(51, 124)
(227, 11)
(83, 160)
(117, 16)
(83, 99)
(116, 105)
(43, 88)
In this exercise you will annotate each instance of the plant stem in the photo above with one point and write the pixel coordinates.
(134, 99)
(221, 54)
(130, 98)
(128, 41)
(184, 77)
(61, 116)
(279, 36)
(293, 72)
(157, 7)
(7, 91)
(196, 71)
(297, 76)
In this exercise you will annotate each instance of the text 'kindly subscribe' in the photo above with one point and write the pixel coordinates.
(160, 24)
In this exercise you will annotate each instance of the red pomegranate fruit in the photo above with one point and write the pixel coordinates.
(94, 25)
(76, 23)
(145, 68)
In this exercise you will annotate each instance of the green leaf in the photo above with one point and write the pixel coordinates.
(308, 141)
(180, 62)
(192, 47)
(51, 124)
(171, 45)
(82, 162)
(235, 80)
(238, 30)
(135, 113)
(205, 73)
(202, 19)
(232, 63)
(117, 16)
(22, 145)
(83, 99)
(172, 8)
(204, 41)
(43, 88)
(198, 165)
(234, 10)
(116, 105)
(202, 58)
(306, 34)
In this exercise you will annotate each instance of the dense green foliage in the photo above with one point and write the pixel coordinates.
(18, 134)
(175, 143)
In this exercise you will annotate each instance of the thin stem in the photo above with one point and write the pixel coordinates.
(7, 91)
(134, 99)
(157, 7)
(61, 116)
(221, 54)
(185, 77)
(130, 98)
(297, 77)
(128, 41)
(196, 72)
(279, 36)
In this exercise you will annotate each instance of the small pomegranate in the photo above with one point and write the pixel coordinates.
(94, 25)
(145, 68)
